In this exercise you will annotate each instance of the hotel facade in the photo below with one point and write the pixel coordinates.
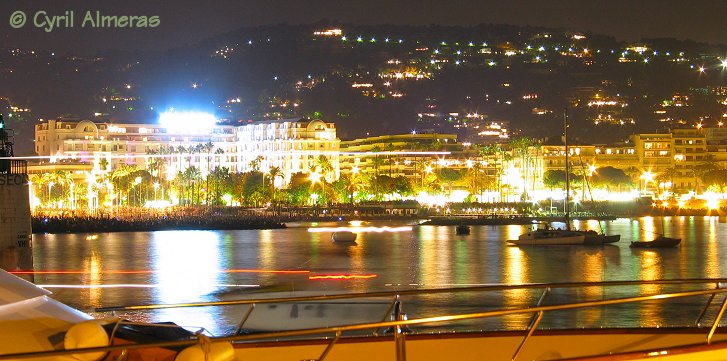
(292, 145)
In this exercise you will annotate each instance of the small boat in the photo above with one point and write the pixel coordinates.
(658, 242)
(343, 237)
(549, 236)
(463, 229)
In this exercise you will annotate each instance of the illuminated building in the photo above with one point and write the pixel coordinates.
(656, 154)
(690, 150)
(672, 158)
(420, 156)
(292, 145)
(88, 141)
(397, 155)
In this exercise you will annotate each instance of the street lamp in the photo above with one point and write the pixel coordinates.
(314, 177)
(647, 177)
(591, 170)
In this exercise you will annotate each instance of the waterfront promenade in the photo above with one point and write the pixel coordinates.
(177, 219)
(235, 218)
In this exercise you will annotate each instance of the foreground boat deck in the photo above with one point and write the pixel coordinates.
(29, 315)
(547, 345)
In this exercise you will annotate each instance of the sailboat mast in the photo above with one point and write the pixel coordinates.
(567, 168)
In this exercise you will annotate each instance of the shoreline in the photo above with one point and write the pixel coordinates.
(206, 222)
(97, 224)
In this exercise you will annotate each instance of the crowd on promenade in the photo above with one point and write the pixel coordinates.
(128, 222)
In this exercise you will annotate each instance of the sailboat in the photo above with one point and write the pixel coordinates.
(661, 240)
(594, 237)
(546, 235)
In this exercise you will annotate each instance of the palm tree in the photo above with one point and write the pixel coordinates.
(121, 179)
(497, 156)
(255, 163)
(179, 180)
(218, 153)
(274, 172)
(449, 176)
(63, 179)
(706, 166)
(323, 164)
(521, 146)
(207, 148)
(473, 177)
(39, 182)
(193, 175)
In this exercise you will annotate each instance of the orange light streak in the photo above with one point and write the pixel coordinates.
(150, 272)
(132, 285)
(341, 277)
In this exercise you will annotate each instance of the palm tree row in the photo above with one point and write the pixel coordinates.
(200, 181)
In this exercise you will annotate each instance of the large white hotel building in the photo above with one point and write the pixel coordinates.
(292, 145)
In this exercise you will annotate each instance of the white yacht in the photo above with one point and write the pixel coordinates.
(547, 236)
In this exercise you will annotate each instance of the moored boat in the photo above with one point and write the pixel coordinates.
(343, 237)
(658, 242)
(549, 236)
(462, 230)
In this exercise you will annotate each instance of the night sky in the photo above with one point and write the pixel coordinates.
(189, 21)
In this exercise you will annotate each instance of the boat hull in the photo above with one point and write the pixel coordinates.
(562, 240)
(660, 242)
(463, 230)
(343, 237)
(550, 237)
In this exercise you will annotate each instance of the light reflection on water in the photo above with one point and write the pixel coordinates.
(189, 266)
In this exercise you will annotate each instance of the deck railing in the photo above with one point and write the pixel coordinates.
(399, 321)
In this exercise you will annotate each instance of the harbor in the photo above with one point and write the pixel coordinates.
(90, 271)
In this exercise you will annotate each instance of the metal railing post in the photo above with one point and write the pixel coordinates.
(704, 310)
(400, 339)
(716, 321)
(534, 321)
(244, 318)
(391, 313)
(330, 346)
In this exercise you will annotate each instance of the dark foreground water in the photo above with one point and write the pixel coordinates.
(135, 268)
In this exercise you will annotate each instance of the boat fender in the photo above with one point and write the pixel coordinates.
(217, 351)
(84, 335)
